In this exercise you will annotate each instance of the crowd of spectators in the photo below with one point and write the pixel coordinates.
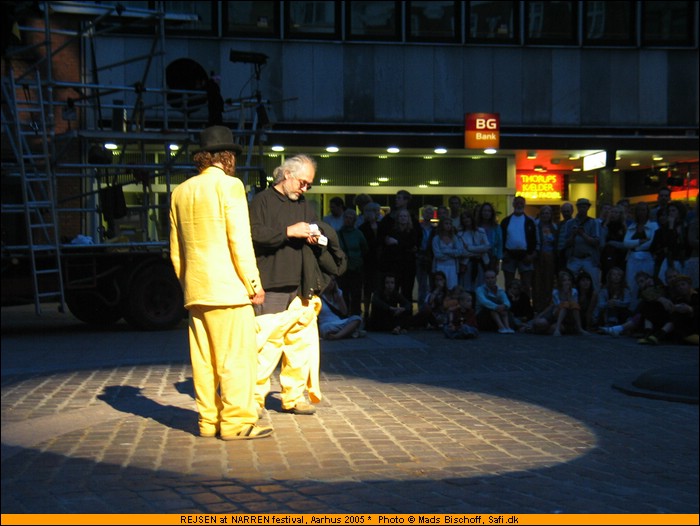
(632, 270)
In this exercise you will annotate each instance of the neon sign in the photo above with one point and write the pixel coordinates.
(539, 186)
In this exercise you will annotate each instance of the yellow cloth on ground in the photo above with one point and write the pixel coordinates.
(292, 336)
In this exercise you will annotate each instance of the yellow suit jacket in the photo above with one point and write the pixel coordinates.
(210, 243)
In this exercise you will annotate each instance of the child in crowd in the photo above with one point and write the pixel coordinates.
(432, 313)
(520, 306)
(333, 320)
(587, 298)
(614, 300)
(390, 311)
(461, 323)
(564, 310)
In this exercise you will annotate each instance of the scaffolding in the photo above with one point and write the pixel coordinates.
(63, 190)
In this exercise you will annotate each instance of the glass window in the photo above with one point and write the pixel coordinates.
(251, 19)
(492, 22)
(550, 22)
(207, 22)
(312, 20)
(373, 20)
(608, 22)
(668, 23)
(432, 21)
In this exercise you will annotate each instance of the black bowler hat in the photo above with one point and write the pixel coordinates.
(218, 139)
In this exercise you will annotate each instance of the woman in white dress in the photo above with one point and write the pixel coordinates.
(475, 244)
(447, 251)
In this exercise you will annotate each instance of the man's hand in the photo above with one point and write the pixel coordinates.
(301, 229)
(258, 298)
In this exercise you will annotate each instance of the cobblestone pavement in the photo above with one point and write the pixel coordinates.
(103, 421)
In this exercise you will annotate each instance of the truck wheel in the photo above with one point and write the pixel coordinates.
(89, 307)
(155, 300)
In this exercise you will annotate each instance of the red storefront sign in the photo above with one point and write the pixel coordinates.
(539, 185)
(482, 130)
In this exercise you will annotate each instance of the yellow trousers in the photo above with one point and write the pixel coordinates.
(223, 351)
(292, 336)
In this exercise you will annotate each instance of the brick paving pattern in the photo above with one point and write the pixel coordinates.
(103, 421)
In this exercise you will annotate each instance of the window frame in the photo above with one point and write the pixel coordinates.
(311, 35)
(513, 40)
(273, 34)
(398, 19)
(690, 37)
(572, 40)
(457, 29)
(629, 40)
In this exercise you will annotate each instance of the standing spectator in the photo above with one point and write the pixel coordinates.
(628, 212)
(668, 246)
(520, 245)
(390, 310)
(638, 241)
(455, 205)
(492, 306)
(354, 244)
(370, 230)
(280, 220)
(475, 248)
(485, 217)
(424, 256)
(604, 212)
(613, 252)
(582, 242)
(402, 201)
(663, 198)
(335, 217)
(398, 253)
(447, 252)
(212, 254)
(567, 212)
(360, 201)
(546, 262)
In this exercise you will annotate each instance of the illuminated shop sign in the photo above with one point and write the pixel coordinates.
(539, 186)
(482, 130)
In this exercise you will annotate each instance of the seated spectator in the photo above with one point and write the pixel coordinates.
(432, 314)
(682, 308)
(649, 313)
(390, 311)
(564, 314)
(461, 319)
(614, 300)
(333, 320)
(587, 298)
(521, 309)
(492, 306)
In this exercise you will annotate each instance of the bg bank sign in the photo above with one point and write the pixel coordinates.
(481, 130)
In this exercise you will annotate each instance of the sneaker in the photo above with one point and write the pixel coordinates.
(649, 340)
(249, 432)
(503, 331)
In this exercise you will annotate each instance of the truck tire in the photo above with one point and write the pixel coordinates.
(90, 307)
(154, 301)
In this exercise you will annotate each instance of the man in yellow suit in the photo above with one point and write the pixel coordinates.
(212, 252)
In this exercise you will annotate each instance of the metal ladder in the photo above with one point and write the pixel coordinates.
(27, 125)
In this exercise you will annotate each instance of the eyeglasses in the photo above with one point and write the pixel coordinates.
(304, 184)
